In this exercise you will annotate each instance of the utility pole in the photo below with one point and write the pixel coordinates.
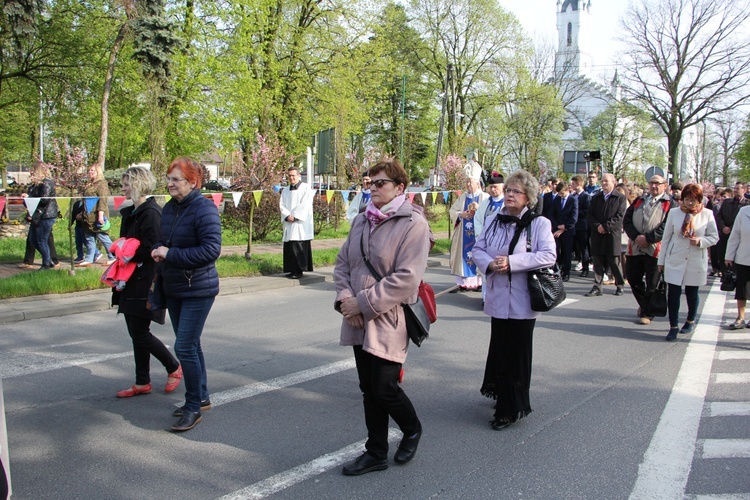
(448, 80)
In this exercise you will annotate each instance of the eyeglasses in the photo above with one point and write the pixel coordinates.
(174, 180)
(381, 182)
(657, 183)
(514, 192)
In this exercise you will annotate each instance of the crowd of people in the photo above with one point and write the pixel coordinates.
(635, 235)
(627, 234)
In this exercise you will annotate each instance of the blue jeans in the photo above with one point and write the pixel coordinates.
(673, 302)
(91, 245)
(39, 236)
(188, 317)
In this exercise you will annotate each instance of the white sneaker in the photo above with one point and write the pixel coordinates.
(578, 267)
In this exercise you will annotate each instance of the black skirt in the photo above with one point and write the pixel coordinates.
(507, 375)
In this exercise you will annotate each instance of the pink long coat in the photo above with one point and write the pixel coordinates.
(398, 248)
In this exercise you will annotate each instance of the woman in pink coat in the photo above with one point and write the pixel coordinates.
(396, 237)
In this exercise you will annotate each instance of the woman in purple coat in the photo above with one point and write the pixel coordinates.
(501, 252)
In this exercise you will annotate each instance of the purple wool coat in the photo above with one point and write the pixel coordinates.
(509, 298)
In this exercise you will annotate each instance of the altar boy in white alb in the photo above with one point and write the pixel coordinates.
(296, 204)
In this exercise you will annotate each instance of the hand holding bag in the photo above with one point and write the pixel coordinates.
(728, 281)
(657, 305)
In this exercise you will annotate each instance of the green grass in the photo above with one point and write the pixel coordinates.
(58, 282)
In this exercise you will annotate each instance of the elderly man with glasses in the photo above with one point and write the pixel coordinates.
(644, 224)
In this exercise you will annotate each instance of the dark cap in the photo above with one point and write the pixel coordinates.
(496, 178)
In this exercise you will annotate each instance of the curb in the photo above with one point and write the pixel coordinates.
(57, 305)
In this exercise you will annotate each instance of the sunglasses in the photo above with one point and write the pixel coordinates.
(381, 182)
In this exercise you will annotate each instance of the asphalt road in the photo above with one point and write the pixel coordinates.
(618, 412)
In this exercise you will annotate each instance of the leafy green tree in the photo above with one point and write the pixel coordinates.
(479, 40)
(625, 136)
(742, 154)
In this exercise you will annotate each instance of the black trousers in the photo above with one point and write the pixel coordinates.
(721, 251)
(581, 239)
(383, 398)
(565, 252)
(146, 344)
(28, 257)
(607, 262)
(643, 277)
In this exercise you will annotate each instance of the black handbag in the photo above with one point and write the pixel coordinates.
(417, 319)
(657, 304)
(728, 281)
(546, 287)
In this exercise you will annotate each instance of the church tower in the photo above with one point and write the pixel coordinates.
(573, 30)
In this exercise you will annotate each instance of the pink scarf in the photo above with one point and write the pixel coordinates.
(376, 216)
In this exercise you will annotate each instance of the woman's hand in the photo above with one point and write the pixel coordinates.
(352, 313)
(660, 268)
(159, 254)
(728, 263)
(695, 241)
(500, 264)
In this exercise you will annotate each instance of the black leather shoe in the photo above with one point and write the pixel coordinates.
(619, 291)
(595, 292)
(295, 276)
(566, 277)
(408, 448)
(188, 420)
(363, 464)
(584, 273)
(498, 425)
(205, 405)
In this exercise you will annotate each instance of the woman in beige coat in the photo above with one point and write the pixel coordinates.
(688, 233)
(396, 238)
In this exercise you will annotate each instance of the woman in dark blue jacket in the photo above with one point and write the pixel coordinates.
(189, 246)
(45, 214)
(142, 221)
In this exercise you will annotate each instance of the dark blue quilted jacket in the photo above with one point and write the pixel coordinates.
(192, 231)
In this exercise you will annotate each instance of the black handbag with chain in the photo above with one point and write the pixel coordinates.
(546, 287)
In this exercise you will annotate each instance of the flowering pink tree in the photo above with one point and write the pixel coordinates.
(454, 176)
(266, 166)
(267, 163)
(454, 179)
(70, 167)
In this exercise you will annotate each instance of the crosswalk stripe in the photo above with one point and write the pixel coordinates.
(727, 355)
(726, 448)
(288, 478)
(732, 378)
(665, 468)
(736, 336)
(728, 409)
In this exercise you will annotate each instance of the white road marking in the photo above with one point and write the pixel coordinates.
(258, 388)
(20, 365)
(290, 477)
(666, 464)
(728, 409)
(727, 355)
(729, 336)
(728, 496)
(55, 346)
(732, 378)
(726, 448)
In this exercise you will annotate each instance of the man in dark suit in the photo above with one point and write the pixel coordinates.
(605, 217)
(564, 217)
(549, 198)
(581, 238)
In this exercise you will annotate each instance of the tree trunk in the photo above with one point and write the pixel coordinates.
(105, 96)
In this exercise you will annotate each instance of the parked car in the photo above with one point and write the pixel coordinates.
(9, 180)
(216, 185)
